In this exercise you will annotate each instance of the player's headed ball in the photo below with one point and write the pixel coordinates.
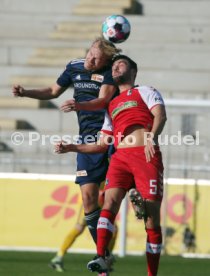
(116, 28)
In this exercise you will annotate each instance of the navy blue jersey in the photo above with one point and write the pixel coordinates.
(86, 85)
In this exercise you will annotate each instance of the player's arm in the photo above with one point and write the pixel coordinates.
(159, 121)
(47, 93)
(101, 145)
(155, 104)
(105, 95)
(98, 147)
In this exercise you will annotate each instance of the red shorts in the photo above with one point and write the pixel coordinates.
(128, 168)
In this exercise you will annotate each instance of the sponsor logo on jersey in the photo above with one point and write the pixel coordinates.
(158, 99)
(86, 85)
(96, 77)
(78, 77)
(81, 173)
(122, 106)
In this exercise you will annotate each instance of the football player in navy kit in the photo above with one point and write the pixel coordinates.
(93, 89)
(136, 114)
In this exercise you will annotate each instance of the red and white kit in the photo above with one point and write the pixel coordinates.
(128, 165)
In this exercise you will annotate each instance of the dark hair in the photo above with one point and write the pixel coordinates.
(132, 63)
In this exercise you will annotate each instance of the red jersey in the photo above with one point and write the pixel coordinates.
(131, 107)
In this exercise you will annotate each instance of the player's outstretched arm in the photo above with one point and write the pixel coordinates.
(41, 94)
(98, 147)
(105, 95)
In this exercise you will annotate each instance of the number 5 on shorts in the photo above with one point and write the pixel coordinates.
(153, 187)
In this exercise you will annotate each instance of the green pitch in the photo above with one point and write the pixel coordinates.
(36, 264)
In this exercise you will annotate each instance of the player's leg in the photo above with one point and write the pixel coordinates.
(105, 228)
(91, 171)
(151, 214)
(138, 203)
(154, 236)
(118, 181)
(114, 238)
(57, 262)
(149, 182)
(70, 238)
(101, 202)
(92, 210)
(110, 259)
(74, 233)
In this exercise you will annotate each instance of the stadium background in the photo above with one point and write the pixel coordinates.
(170, 42)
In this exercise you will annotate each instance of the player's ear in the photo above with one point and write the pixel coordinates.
(133, 73)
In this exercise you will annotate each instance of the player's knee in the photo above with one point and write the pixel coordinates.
(112, 205)
(80, 228)
(113, 199)
(90, 201)
(89, 198)
(152, 222)
(153, 214)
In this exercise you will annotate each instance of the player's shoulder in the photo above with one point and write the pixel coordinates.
(76, 63)
(150, 95)
(147, 90)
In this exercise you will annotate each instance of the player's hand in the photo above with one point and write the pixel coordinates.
(60, 147)
(68, 106)
(149, 150)
(18, 91)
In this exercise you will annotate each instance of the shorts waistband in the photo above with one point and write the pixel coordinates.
(139, 149)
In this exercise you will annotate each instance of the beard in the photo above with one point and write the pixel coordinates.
(121, 79)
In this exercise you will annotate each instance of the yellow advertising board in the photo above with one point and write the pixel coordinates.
(186, 204)
(37, 211)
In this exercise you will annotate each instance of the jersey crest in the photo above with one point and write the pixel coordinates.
(96, 77)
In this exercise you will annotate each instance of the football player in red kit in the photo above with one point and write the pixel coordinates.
(134, 120)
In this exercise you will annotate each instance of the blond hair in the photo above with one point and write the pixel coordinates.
(107, 47)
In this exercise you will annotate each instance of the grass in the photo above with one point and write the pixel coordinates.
(36, 264)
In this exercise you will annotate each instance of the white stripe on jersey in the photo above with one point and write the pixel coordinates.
(75, 61)
(107, 125)
(150, 96)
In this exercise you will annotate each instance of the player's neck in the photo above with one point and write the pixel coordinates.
(125, 86)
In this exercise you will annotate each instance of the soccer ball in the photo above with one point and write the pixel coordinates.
(116, 28)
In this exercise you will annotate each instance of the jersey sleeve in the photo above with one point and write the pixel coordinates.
(108, 78)
(150, 96)
(65, 79)
(107, 126)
